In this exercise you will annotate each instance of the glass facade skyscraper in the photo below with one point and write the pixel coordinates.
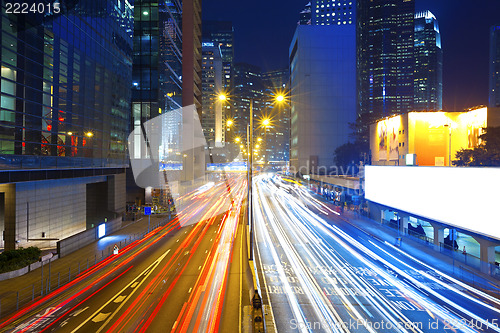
(428, 74)
(495, 66)
(212, 119)
(278, 137)
(157, 76)
(65, 99)
(385, 41)
(248, 86)
(332, 12)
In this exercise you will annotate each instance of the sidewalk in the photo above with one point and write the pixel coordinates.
(16, 292)
(426, 254)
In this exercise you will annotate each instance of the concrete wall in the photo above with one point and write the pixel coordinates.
(53, 207)
(76, 242)
(117, 192)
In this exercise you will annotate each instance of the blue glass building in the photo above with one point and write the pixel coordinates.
(428, 73)
(322, 94)
(65, 105)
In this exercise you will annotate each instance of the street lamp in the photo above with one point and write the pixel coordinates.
(279, 98)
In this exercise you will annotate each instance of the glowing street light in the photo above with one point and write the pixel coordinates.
(89, 134)
(280, 98)
(237, 140)
(229, 123)
(266, 122)
(222, 97)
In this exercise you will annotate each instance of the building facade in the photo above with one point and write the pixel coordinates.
(428, 74)
(248, 86)
(494, 99)
(221, 34)
(322, 94)
(65, 99)
(428, 138)
(156, 76)
(191, 54)
(212, 119)
(385, 30)
(277, 143)
(331, 12)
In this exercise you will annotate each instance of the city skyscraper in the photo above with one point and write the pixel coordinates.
(385, 30)
(331, 12)
(494, 99)
(428, 74)
(248, 86)
(191, 54)
(65, 96)
(157, 74)
(318, 102)
(221, 34)
(322, 94)
(212, 119)
(277, 143)
(305, 15)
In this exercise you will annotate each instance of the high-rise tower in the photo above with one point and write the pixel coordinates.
(385, 60)
(428, 74)
(495, 66)
(65, 93)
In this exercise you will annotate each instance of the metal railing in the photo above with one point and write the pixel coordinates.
(49, 281)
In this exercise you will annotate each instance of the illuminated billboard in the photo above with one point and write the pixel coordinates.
(462, 197)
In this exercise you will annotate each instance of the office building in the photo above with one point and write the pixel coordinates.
(385, 30)
(248, 86)
(191, 54)
(332, 12)
(494, 66)
(322, 94)
(221, 34)
(428, 74)
(65, 98)
(212, 119)
(277, 143)
(156, 78)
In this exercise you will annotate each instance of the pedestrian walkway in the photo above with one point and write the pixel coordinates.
(16, 292)
(425, 253)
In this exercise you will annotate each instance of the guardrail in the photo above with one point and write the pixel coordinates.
(50, 281)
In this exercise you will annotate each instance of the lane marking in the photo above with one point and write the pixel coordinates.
(149, 270)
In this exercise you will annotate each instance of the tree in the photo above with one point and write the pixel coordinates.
(486, 154)
(348, 156)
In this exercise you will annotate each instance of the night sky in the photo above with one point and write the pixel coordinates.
(264, 29)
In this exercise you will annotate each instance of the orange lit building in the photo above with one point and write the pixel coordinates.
(428, 138)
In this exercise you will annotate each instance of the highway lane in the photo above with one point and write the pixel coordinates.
(318, 276)
(174, 279)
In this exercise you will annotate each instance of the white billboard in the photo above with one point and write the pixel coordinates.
(467, 198)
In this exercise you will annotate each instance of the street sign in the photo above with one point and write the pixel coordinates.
(147, 210)
(115, 249)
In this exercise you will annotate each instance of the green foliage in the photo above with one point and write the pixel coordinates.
(487, 154)
(16, 259)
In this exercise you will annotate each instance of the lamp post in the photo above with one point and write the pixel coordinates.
(449, 147)
(266, 122)
(250, 177)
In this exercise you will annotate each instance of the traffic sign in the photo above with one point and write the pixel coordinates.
(147, 210)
